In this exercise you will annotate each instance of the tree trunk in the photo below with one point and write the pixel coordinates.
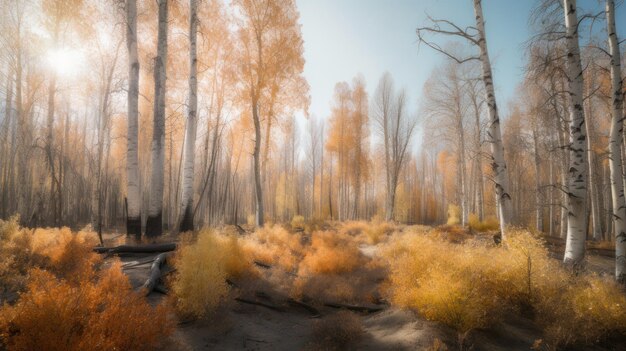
(615, 146)
(500, 175)
(577, 180)
(258, 185)
(133, 197)
(186, 210)
(538, 187)
(594, 202)
(154, 224)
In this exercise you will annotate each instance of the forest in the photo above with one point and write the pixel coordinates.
(168, 182)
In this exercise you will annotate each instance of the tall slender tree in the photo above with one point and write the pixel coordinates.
(271, 50)
(577, 180)
(133, 190)
(186, 210)
(476, 36)
(615, 145)
(396, 128)
(154, 224)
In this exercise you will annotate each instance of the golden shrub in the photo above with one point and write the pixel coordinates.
(582, 310)
(377, 232)
(451, 233)
(275, 245)
(353, 228)
(297, 222)
(98, 312)
(200, 283)
(330, 253)
(441, 282)
(472, 286)
(65, 253)
(234, 259)
(490, 223)
(454, 215)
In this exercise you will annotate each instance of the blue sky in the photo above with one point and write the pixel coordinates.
(343, 38)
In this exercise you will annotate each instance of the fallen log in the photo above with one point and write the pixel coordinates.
(356, 308)
(259, 303)
(138, 262)
(155, 273)
(149, 248)
(261, 264)
(314, 312)
(161, 289)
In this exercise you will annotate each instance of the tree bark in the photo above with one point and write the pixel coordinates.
(577, 180)
(615, 146)
(258, 185)
(594, 202)
(538, 186)
(133, 197)
(186, 210)
(494, 137)
(154, 224)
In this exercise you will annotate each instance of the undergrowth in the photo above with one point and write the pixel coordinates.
(475, 285)
(202, 268)
(68, 301)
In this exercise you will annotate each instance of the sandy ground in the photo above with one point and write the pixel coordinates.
(239, 326)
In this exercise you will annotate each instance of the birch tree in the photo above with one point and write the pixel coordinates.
(477, 37)
(577, 180)
(154, 224)
(133, 195)
(186, 210)
(615, 145)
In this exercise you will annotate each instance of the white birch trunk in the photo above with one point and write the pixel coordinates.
(133, 199)
(186, 209)
(615, 146)
(577, 180)
(494, 137)
(154, 225)
(594, 202)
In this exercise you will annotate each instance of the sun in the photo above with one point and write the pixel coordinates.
(66, 62)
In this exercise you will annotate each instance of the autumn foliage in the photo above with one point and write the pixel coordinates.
(71, 302)
(476, 284)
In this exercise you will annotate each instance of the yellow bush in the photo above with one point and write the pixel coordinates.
(377, 232)
(450, 233)
(454, 215)
(297, 222)
(490, 223)
(472, 285)
(330, 253)
(353, 228)
(274, 245)
(582, 310)
(235, 262)
(98, 312)
(8, 228)
(444, 283)
(68, 255)
(200, 283)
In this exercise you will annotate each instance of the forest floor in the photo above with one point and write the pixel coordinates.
(276, 324)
